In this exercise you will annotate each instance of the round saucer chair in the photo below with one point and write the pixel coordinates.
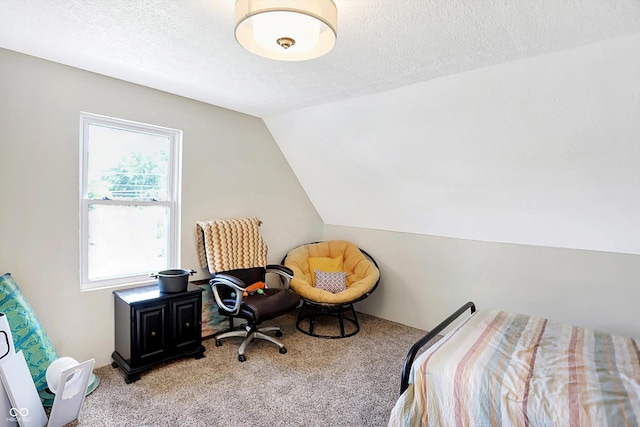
(330, 277)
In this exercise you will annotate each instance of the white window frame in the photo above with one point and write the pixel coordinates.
(173, 202)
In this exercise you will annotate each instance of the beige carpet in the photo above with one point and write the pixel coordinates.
(320, 382)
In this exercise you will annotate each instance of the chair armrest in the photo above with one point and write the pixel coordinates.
(285, 273)
(237, 286)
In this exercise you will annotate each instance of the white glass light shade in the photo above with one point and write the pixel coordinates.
(286, 30)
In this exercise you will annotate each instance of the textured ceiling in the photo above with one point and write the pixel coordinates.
(188, 47)
(457, 118)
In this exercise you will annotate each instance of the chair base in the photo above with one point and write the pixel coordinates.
(249, 336)
(348, 326)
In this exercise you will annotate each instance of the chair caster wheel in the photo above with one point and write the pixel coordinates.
(278, 333)
(242, 357)
(114, 365)
(283, 350)
(218, 343)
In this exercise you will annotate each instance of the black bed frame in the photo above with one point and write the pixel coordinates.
(406, 370)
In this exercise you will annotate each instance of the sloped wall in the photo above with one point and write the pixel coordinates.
(516, 186)
(542, 151)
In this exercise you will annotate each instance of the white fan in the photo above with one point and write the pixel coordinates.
(68, 379)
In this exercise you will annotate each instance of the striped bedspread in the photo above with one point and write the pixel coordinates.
(503, 369)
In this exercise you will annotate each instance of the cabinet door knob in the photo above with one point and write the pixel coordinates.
(153, 333)
(187, 324)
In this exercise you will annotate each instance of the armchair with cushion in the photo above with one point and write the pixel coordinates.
(330, 277)
(236, 256)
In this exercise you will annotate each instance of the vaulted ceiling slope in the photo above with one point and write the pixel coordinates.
(541, 151)
(500, 121)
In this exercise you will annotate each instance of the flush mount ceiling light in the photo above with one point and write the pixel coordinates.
(286, 30)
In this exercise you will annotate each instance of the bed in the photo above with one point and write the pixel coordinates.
(496, 368)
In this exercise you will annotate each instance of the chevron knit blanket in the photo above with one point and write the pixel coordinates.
(229, 244)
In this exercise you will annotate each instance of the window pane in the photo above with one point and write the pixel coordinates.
(127, 240)
(124, 164)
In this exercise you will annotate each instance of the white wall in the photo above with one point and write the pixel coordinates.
(425, 278)
(541, 151)
(231, 167)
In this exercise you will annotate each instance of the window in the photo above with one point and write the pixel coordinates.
(129, 197)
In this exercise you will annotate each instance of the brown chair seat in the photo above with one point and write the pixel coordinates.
(271, 304)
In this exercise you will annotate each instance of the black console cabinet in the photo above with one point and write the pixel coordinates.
(153, 327)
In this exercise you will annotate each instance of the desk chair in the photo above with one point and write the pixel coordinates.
(229, 291)
(236, 256)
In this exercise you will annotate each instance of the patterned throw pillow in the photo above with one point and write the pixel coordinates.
(326, 264)
(333, 282)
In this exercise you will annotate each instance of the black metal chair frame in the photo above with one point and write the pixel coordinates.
(341, 311)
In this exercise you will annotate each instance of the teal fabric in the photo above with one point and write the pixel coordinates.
(26, 330)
